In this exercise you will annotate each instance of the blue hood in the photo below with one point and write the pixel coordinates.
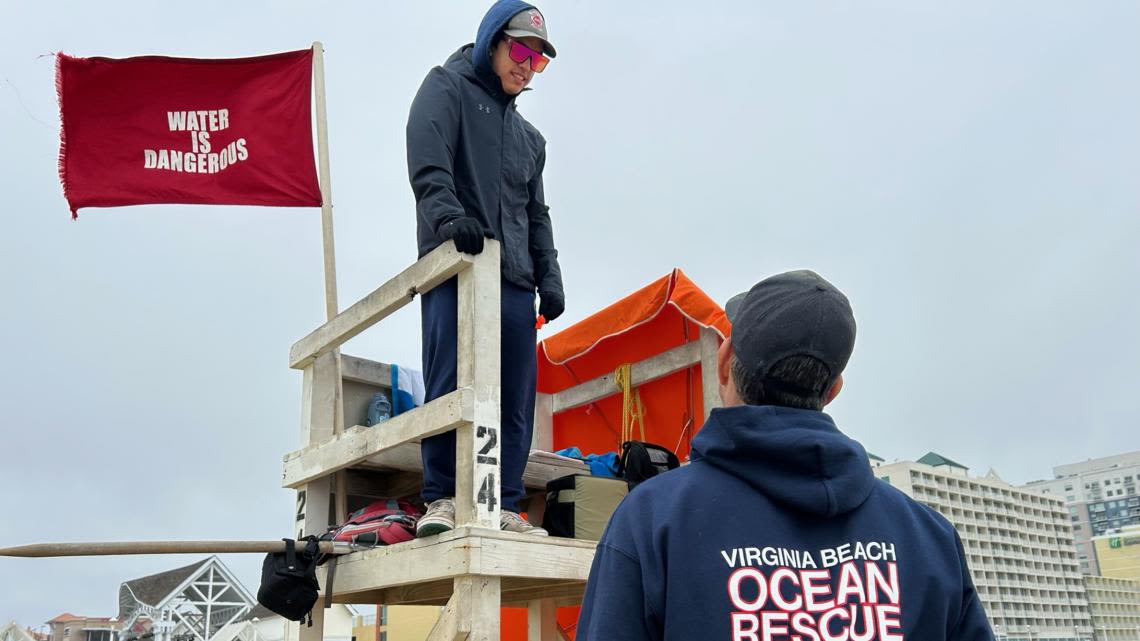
(493, 22)
(777, 497)
(798, 458)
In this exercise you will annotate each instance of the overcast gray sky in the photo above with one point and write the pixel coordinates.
(967, 172)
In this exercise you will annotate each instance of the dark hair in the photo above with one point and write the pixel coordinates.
(796, 381)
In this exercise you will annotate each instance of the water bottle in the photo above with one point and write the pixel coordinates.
(379, 409)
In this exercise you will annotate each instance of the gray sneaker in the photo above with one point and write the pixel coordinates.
(512, 522)
(439, 518)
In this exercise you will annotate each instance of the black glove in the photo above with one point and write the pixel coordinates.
(551, 305)
(466, 232)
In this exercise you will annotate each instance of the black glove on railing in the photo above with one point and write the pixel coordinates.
(466, 232)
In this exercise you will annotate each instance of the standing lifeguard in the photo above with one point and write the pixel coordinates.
(475, 166)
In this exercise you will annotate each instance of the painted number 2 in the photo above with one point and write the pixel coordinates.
(492, 435)
(300, 513)
(488, 496)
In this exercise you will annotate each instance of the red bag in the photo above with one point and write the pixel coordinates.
(383, 522)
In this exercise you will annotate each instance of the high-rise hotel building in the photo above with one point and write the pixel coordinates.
(1018, 544)
(1101, 496)
(1115, 607)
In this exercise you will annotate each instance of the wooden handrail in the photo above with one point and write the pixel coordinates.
(425, 274)
(641, 372)
(342, 452)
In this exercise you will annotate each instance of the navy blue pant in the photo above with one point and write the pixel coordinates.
(439, 311)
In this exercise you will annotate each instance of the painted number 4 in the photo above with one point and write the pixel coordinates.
(487, 494)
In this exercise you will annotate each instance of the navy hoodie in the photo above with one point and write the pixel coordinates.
(778, 530)
(470, 153)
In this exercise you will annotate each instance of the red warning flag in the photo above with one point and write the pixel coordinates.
(154, 129)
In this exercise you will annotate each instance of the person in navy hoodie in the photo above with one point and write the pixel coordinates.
(778, 529)
(475, 165)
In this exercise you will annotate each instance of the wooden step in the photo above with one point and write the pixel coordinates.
(421, 572)
(394, 445)
(396, 467)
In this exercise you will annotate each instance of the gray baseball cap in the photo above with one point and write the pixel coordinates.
(789, 314)
(530, 23)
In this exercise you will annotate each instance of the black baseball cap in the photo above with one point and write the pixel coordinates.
(796, 313)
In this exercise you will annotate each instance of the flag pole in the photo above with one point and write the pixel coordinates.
(325, 178)
(331, 305)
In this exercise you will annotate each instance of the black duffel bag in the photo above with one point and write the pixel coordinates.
(642, 461)
(289, 580)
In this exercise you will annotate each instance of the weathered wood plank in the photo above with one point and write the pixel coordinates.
(424, 593)
(431, 270)
(477, 445)
(357, 444)
(511, 558)
(416, 566)
(319, 416)
(319, 422)
(446, 627)
(362, 370)
(710, 386)
(642, 372)
(541, 468)
(520, 592)
(514, 592)
(411, 563)
(478, 607)
(543, 423)
(542, 620)
(340, 482)
(398, 472)
(404, 457)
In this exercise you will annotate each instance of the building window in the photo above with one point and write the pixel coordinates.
(383, 635)
(66, 633)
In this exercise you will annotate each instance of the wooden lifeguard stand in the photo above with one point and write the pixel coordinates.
(475, 569)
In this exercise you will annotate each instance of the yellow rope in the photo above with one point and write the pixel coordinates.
(631, 408)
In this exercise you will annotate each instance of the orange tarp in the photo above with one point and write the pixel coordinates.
(667, 313)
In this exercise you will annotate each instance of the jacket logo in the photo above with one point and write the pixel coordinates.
(484, 108)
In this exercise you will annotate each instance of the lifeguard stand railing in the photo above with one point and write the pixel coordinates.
(476, 568)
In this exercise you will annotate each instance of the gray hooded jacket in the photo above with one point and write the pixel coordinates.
(470, 153)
